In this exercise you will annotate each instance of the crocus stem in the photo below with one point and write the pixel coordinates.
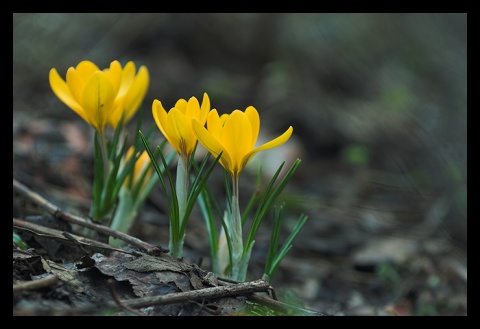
(124, 217)
(101, 181)
(236, 234)
(104, 151)
(176, 244)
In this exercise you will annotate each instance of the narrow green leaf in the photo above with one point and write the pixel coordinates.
(287, 245)
(268, 198)
(254, 198)
(169, 191)
(260, 213)
(97, 179)
(197, 186)
(228, 190)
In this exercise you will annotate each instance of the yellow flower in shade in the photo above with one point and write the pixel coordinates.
(141, 165)
(236, 135)
(101, 97)
(176, 125)
(131, 93)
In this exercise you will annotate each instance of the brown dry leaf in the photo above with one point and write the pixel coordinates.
(152, 276)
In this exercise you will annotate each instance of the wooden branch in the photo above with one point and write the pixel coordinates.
(35, 284)
(63, 237)
(240, 289)
(57, 213)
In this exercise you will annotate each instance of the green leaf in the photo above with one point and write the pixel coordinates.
(207, 201)
(262, 208)
(275, 255)
(254, 198)
(169, 192)
(17, 240)
(198, 185)
(97, 178)
(268, 198)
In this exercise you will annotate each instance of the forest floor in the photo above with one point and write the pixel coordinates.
(336, 267)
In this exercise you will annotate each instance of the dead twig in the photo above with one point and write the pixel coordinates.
(35, 284)
(240, 289)
(58, 235)
(57, 213)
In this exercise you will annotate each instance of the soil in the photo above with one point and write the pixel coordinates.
(381, 134)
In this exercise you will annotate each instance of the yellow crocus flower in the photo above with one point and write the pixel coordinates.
(101, 97)
(176, 125)
(235, 135)
(141, 164)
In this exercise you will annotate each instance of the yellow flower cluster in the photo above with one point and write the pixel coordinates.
(233, 134)
(102, 97)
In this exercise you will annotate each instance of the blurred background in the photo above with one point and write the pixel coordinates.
(378, 103)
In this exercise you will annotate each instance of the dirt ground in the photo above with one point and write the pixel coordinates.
(378, 106)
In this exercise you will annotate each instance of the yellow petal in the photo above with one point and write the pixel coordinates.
(193, 108)
(126, 158)
(214, 124)
(76, 84)
(224, 118)
(140, 166)
(136, 94)
(205, 108)
(129, 153)
(62, 91)
(85, 69)
(114, 73)
(115, 115)
(184, 128)
(125, 79)
(180, 132)
(211, 144)
(254, 118)
(269, 145)
(181, 105)
(160, 117)
(236, 138)
(98, 98)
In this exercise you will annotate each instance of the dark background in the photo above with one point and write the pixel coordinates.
(378, 103)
